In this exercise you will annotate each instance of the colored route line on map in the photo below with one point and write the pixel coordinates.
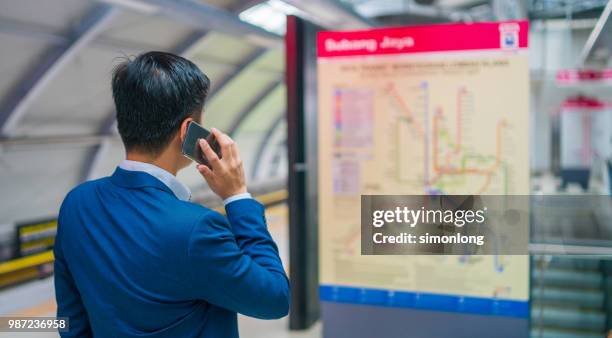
(463, 169)
(462, 92)
(423, 131)
(393, 91)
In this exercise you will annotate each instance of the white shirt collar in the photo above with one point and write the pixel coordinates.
(180, 190)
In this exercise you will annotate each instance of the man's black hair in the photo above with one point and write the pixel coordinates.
(153, 94)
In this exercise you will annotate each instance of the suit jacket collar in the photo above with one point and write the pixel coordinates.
(180, 190)
(137, 179)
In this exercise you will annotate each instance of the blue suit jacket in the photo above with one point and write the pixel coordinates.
(132, 260)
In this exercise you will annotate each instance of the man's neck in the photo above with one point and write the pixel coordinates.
(164, 160)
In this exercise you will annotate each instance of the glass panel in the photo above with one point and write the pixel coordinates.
(570, 296)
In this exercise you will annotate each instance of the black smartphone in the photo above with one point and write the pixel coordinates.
(191, 147)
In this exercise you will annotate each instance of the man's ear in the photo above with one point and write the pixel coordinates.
(184, 125)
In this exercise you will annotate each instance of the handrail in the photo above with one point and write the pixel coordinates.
(26, 262)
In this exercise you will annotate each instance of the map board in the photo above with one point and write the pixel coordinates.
(439, 109)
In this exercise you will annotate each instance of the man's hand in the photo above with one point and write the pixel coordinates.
(226, 178)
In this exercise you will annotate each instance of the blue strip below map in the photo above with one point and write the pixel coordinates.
(424, 301)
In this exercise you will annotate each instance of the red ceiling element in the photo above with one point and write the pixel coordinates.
(582, 103)
(574, 76)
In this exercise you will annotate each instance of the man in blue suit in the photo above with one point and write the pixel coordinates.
(134, 257)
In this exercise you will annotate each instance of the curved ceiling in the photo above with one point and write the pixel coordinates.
(56, 110)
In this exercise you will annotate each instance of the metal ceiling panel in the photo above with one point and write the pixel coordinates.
(598, 47)
(215, 71)
(56, 15)
(206, 17)
(333, 14)
(78, 99)
(220, 83)
(225, 106)
(18, 56)
(149, 30)
(226, 4)
(262, 116)
(36, 80)
(272, 60)
(222, 48)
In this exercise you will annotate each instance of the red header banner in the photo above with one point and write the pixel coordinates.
(510, 35)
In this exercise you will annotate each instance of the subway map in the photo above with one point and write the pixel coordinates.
(420, 123)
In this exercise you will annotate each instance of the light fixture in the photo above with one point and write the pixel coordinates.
(270, 15)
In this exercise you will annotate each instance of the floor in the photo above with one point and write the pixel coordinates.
(36, 298)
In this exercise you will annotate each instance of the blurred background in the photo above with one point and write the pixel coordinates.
(57, 121)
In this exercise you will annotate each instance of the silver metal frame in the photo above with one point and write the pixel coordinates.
(239, 68)
(603, 25)
(210, 18)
